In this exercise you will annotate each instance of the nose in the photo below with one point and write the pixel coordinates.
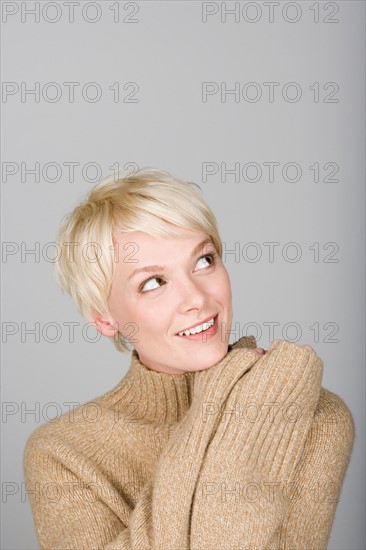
(192, 294)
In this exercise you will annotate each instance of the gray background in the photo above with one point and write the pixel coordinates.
(168, 52)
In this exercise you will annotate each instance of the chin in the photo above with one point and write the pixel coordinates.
(213, 358)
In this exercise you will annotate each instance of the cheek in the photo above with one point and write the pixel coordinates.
(223, 286)
(122, 308)
(152, 316)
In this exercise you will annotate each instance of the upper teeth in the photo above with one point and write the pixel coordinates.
(198, 328)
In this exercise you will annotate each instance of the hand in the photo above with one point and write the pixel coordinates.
(261, 351)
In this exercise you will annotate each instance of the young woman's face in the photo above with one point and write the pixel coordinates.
(187, 285)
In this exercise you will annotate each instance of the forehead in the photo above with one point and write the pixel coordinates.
(138, 249)
(147, 242)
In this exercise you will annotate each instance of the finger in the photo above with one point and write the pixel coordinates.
(259, 351)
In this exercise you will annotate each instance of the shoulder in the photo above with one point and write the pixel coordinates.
(326, 455)
(332, 409)
(79, 433)
(333, 427)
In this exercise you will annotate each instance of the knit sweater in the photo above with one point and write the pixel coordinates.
(248, 454)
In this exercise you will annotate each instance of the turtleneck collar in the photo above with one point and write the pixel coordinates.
(153, 396)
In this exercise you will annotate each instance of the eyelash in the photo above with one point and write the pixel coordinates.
(212, 255)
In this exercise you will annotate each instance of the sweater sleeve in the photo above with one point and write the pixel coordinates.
(258, 441)
(278, 483)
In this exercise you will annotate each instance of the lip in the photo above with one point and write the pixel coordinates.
(197, 324)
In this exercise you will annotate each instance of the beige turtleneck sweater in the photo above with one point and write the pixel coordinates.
(248, 454)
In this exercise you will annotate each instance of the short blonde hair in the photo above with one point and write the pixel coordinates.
(144, 201)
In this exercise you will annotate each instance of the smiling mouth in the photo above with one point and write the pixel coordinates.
(198, 328)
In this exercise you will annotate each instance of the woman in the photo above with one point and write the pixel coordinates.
(203, 444)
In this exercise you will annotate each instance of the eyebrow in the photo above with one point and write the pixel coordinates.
(153, 268)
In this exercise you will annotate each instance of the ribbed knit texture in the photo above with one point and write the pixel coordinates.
(249, 454)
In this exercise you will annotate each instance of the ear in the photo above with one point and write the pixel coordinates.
(105, 326)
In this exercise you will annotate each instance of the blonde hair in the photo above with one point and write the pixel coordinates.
(144, 201)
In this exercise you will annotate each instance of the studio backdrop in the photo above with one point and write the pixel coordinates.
(260, 103)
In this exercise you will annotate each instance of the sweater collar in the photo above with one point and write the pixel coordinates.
(153, 396)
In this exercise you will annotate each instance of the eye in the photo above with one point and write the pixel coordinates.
(211, 255)
(144, 287)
